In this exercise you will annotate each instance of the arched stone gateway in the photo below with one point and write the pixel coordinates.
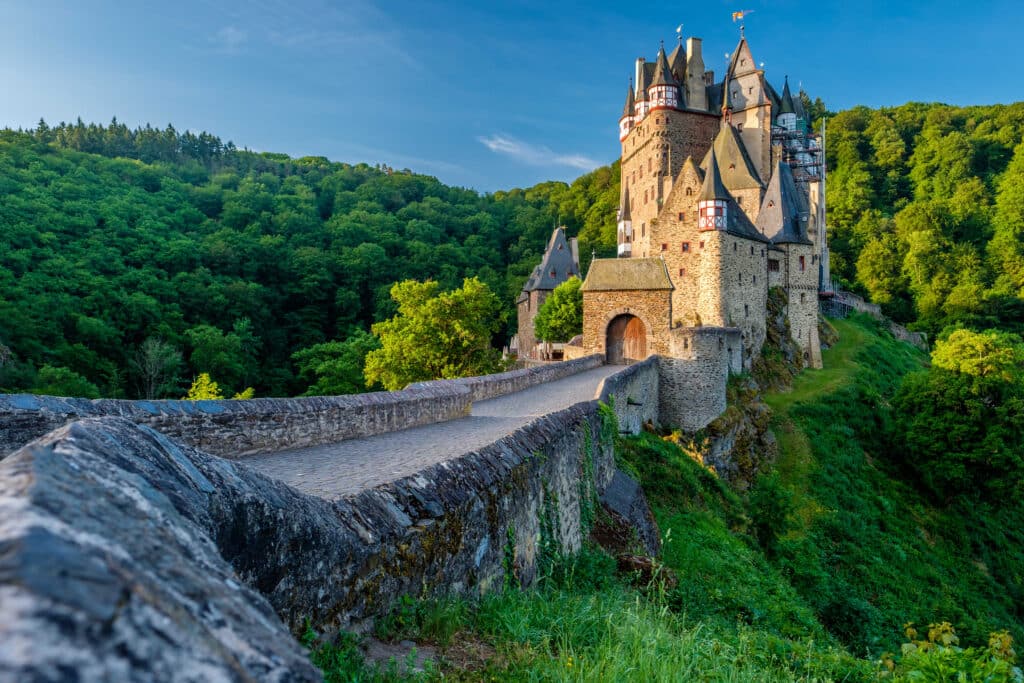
(626, 340)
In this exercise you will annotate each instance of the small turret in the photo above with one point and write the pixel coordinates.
(625, 239)
(663, 91)
(627, 119)
(787, 109)
(713, 201)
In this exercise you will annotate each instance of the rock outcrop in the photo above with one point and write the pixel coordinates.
(108, 573)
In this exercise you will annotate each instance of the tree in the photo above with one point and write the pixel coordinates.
(157, 364)
(560, 317)
(336, 367)
(60, 381)
(436, 335)
(963, 419)
(203, 389)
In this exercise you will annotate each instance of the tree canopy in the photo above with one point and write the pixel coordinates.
(436, 335)
(560, 317)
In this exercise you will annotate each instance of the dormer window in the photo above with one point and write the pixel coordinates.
(553, 274)
(771, 203)
(689, 192)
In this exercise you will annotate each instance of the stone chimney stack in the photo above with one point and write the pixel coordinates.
(696, 96)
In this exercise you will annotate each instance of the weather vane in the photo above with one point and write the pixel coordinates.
(739, 16)
(679, 33)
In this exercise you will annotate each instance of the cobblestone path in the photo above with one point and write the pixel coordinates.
(335, 470)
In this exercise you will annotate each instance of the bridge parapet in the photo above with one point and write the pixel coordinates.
(234, 429)
(490, 386)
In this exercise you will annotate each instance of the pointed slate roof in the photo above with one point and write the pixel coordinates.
(713, 188)
(738, 171)
(627, 274)
(646, 76)
(782, 210)
(557, 266)
(624, 206)
(662, 73)
(737, 222)
(630, 103)
(787, 100)
(677, 62)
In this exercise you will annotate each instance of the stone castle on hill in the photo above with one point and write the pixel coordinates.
(722, 199)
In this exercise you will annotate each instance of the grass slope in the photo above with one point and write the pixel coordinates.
(808, 577)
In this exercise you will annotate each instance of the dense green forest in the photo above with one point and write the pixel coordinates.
(133, 260)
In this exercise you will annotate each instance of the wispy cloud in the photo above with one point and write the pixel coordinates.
(229, 39)
(535, 155)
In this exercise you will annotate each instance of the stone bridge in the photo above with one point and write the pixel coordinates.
(129, 548)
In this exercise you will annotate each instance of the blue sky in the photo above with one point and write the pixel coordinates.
(485, 95)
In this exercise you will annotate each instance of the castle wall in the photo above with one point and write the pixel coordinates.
(652, 155)
(694, 375)
(527, 314)
(802, 288)
(633, 393)
(652, 307)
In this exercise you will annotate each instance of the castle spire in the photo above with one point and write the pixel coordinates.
(663, 90)
(787, 100)
(713, 188)
(628, 109)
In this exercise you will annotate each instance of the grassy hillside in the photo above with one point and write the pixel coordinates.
(811, 575)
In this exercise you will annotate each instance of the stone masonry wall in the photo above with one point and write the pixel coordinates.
(488, 386)
(234, 429)
(802, 310)
(465, 526)
(653, 307)
(693, 376)
(634, 394)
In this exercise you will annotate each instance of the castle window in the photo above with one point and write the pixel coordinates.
(803, 265)
(664, 246)
(645, 196)
(686, 247)
(746, 310)
(686, 343)
(739, 128)
(771, 203)
(773, 265)
(682, 272)
(750, 91)
(702, 245)
(735, 246)
(739, 200)
(755, 279)
(751, 249)
(814, 258)
(739, 278)
(643, 229)
(553, 274)
(801, 297)
(689, 192)
(762, 253)
(649, 162)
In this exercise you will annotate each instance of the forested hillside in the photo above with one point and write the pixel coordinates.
(131, 261)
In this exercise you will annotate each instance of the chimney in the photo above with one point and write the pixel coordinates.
(640, 61)
(696, 97)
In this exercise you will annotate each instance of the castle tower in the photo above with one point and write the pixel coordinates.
(625, 225)
(663, 92)
(747, 107)
(560, 262)
(627, 120)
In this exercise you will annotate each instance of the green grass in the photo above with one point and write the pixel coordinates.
(809, 576)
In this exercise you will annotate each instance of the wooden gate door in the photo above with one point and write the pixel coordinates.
(626, 341)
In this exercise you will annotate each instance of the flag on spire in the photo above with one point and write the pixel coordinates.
(738, 16)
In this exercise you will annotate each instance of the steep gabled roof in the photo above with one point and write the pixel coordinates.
(783, 209)
(677, 62)
(662, 72)
(787, 106)
(646, 76)
(630, 103)
(738, 171)
(557, 266)
(773, 97)
(737, 222)
(713, 188)
(624, 206)
(627, 274)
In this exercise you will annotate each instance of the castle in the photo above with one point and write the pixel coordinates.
(722, 199)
